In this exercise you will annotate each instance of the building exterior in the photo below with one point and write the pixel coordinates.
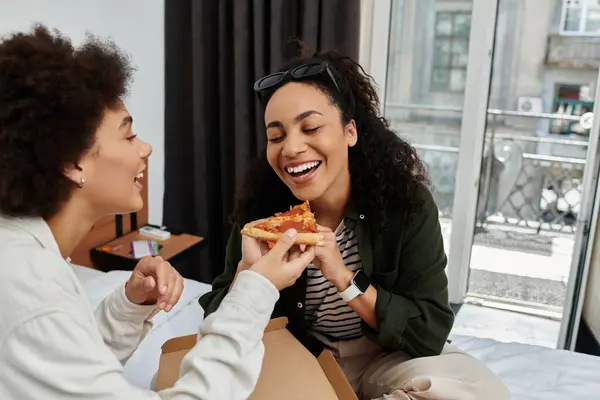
(546, 58)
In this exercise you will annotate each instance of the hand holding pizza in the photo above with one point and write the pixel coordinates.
(285, 262)
(329, 260)
(252, 250)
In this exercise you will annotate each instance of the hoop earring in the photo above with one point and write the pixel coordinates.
(81, 183)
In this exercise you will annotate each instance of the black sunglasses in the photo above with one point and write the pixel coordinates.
(264, 87)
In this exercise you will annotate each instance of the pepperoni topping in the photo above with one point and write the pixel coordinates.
(299, 217)
(262, 226)
(297, 225)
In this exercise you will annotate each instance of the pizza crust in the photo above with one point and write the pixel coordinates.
(303, 238)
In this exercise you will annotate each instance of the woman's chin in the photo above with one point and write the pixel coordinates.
(306, 194)
(132, 206)
(137, 204)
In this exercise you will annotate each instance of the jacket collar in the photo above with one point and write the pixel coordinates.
(353, 212)
(36, 227)
(355, 221)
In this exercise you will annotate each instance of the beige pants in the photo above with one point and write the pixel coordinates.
(453, 375)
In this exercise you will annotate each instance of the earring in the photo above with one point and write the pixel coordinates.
(81, 183)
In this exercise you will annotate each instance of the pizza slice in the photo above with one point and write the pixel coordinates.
(299, 217)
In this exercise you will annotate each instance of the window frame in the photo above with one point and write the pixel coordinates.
(452, 38)
(585, 7)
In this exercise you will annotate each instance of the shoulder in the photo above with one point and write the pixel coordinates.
(425, 210)
(423, 193)
(32, 278)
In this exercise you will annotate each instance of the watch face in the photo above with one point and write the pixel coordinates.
(361, 280)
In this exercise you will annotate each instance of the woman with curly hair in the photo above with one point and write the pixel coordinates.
(376, 293)
(68, 157)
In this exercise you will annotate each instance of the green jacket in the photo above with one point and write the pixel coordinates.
(406, 264)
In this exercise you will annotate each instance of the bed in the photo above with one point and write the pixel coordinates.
(530, 372)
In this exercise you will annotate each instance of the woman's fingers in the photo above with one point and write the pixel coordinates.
(299, 264)
(294, 253)
(176, 294)
(264, 247)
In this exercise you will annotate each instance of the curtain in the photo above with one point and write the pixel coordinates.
(214, 51)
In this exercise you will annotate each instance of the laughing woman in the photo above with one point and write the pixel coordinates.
(376, 293)
(68, 157)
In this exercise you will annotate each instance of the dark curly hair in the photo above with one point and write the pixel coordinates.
(52, 100)
(385, 171)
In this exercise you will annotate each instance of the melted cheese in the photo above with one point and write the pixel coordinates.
(300, 214)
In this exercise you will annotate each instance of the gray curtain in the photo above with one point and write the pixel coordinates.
(215, 49)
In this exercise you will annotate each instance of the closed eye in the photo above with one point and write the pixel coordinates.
(312, 130)
(131, 138)
(276, 139)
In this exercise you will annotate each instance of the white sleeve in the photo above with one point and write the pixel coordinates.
(123, 324)
(55, 355)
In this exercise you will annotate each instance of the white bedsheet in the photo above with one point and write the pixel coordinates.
(530, 372)
(535, 372)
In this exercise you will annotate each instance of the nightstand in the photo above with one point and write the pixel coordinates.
(116, 254)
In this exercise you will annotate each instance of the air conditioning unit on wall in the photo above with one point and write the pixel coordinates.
(529, 104)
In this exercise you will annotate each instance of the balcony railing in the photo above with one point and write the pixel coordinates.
(526, 180)
(545, 193)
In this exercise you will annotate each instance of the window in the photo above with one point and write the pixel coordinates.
(450, 51)
(571, 100)
(580, 17)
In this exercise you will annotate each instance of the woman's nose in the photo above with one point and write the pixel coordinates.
(293, 145)
(146, 149)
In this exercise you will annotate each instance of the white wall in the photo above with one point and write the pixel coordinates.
(138, 28)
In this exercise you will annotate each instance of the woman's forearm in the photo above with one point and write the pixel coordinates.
(241, 267)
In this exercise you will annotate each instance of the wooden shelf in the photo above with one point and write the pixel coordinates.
(116, 254)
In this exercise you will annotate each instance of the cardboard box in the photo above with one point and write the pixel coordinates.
(289, 371)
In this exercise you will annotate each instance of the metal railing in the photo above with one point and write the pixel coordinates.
(522, 182)
(490, 111)
(545, 193)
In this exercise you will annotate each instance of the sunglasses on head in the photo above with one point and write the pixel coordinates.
(264, 87)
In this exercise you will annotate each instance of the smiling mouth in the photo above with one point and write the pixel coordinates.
(303, 169)
(138, 178)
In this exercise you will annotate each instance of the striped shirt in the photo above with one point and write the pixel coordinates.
(326, 311)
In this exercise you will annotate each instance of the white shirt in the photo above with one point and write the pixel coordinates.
(53, 345)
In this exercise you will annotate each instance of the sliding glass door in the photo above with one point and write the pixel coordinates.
(498, 97)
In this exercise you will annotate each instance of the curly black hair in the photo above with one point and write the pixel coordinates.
(52, 99)
(385, 171)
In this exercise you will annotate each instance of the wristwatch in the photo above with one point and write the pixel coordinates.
(358, 285)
